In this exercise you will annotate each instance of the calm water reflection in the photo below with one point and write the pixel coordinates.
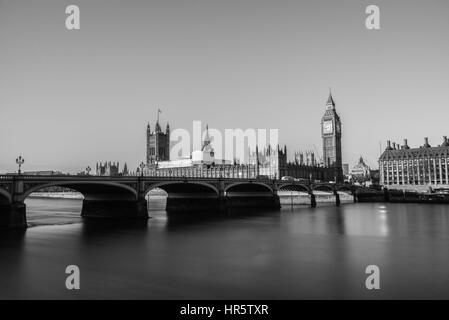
(292, 254)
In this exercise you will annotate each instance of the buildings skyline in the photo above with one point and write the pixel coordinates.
(271, 161)
(65, 93)
(308, 156)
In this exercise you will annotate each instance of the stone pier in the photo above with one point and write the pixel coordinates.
(13, 216)
(127, 209)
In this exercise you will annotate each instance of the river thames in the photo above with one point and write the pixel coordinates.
(296, 253)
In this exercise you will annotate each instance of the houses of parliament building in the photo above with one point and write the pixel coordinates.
(158, 144)
(271, 162)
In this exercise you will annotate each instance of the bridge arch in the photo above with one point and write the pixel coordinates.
(250, 195)
(323, 187)
(5, 197)
(293, 187)
(91, 190)
(249, 186)
(188, 196)
(189, 187)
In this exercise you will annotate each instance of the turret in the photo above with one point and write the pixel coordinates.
(206, 140)
(330, 104)
(257, 160)
(157, 127)
(426, 143)
(406, 144)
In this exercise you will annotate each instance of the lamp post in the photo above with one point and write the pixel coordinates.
(88, 169)
(142, 166)
(20, 161)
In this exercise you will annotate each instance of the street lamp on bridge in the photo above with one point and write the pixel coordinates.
(20, 161)
(142, 166)
(88, 170)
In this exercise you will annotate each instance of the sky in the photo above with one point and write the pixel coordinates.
(71, 98)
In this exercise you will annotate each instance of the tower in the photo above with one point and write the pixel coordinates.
(206, 155)
(158, 143)
(206, 143)
(331, 134)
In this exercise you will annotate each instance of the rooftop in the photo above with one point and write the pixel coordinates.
(400, 151)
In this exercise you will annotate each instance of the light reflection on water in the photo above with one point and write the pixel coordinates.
(296, 253)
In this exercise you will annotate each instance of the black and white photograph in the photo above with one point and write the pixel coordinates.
(224, 155)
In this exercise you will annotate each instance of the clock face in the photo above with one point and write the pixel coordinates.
(328, 126)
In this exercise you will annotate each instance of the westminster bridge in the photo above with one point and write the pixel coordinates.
(124, 196)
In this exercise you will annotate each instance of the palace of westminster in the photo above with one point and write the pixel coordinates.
(400, 167)
(270, 162)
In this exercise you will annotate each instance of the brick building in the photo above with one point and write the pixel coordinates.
(422, 168)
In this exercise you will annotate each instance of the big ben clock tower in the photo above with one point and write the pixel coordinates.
(331, 134)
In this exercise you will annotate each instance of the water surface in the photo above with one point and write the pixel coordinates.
(296, 253)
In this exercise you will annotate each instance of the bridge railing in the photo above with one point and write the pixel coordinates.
(249, 171)
(132, 177)
(7, 176)
(234, 172)
(177, 176)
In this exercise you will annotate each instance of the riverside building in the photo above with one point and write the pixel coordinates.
(419, 169)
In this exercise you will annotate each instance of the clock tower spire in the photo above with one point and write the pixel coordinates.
(331, 134)
(330, 104)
